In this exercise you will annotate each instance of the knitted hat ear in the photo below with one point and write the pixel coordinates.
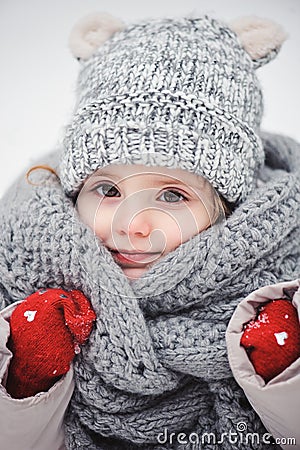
(260, 38)
(90, 32)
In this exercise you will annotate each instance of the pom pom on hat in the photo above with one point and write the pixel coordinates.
(46, 330)
(91, 32)
(261, 38)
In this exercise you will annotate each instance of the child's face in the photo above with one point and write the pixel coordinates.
(142, 213)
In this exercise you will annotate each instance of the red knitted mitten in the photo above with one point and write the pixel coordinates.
(46, 330)
(272, 339)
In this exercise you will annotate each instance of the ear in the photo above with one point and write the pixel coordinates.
(91, 32)
(261, 38)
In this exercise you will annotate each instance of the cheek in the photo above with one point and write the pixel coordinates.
(186, 223)
(85, 209)
(177, 227)
(203, 219)
(102, 227)
(94, 215)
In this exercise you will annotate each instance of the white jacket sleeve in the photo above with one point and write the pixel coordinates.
(278, 401)
(33, 423)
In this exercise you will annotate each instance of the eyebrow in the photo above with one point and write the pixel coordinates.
(105, 174)
(161, 182)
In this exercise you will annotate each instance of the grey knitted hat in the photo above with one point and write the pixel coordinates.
(178, 93)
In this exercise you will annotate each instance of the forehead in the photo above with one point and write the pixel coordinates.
(119, 171)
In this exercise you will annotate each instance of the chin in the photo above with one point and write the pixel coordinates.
(133, 273)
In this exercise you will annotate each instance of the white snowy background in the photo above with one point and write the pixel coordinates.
(38, 73)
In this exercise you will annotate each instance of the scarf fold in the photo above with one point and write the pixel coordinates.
(156, 361)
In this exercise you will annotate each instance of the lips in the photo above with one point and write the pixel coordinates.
(134, 258)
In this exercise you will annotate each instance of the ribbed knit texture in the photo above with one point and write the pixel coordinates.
(180, 93)
(157, 357)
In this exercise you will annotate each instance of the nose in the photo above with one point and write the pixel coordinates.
(134, 218)
(140, 225)
(137, 224)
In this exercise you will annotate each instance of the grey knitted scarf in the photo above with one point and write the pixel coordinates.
(156, 361)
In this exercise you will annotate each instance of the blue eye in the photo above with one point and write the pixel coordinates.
(107, 190)
(172, 196)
